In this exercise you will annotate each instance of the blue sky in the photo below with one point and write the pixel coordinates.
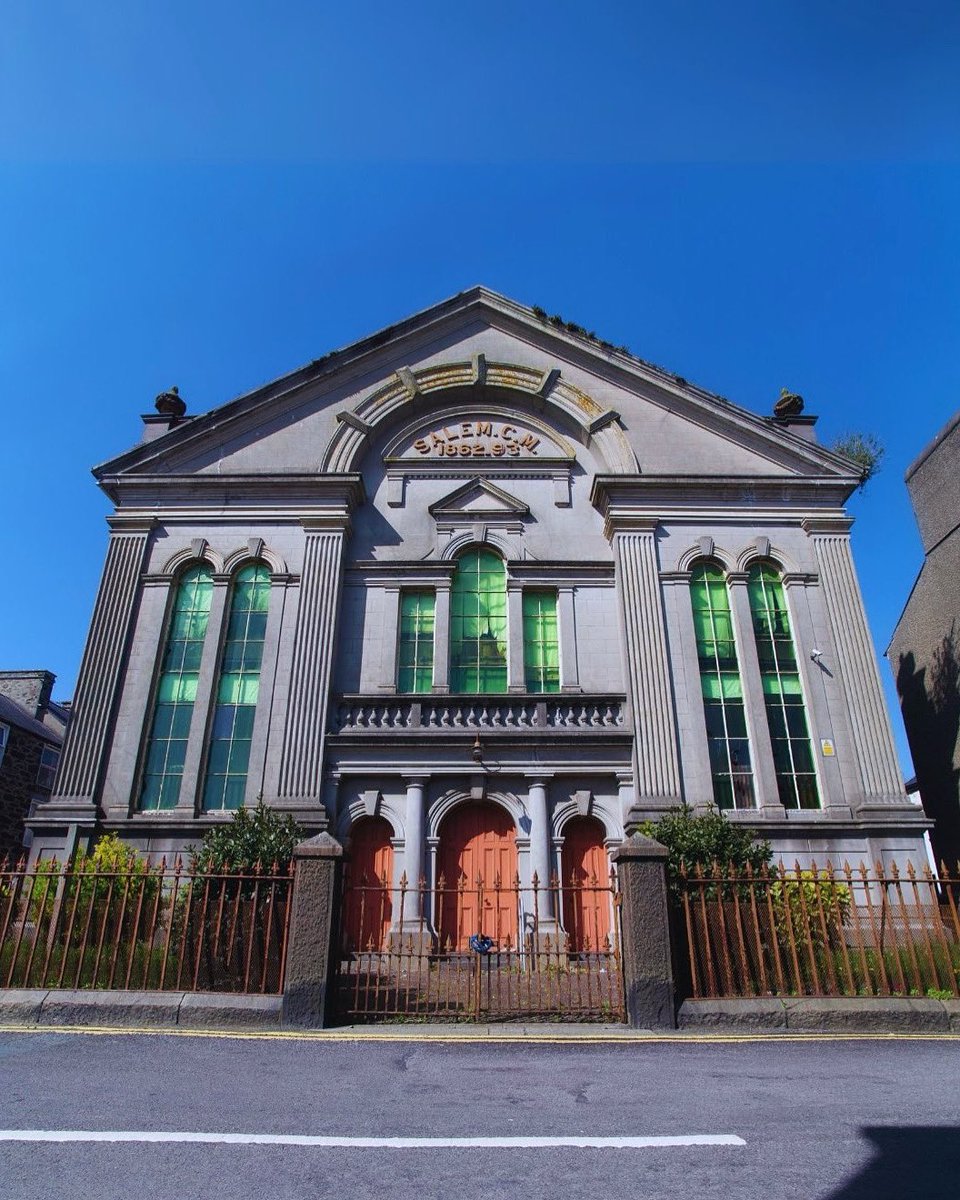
(752, 195)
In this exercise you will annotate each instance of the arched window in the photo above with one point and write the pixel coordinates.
(237, 690)
(782, 693)
(478, 624)
(721, 689)
(176, 690)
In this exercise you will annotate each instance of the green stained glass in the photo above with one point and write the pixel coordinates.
(237, 691)
(782, 691)
(176, 691)
(541, 649)
(415, 647)
(727, 742)
(478, 624)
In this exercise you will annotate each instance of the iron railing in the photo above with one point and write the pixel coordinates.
(477, 950)
(820, 931)
(152, 928)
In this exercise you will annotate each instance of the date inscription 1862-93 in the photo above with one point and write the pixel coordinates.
(478, 439)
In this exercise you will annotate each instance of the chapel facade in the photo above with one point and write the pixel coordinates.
(480, 592)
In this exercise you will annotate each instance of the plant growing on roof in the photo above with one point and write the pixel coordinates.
(863, 449)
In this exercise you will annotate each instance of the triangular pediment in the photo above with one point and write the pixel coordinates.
(478, 358)
(479, 499)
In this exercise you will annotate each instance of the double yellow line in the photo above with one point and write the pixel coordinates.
(348, 1035)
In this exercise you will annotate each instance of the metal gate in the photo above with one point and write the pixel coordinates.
(481, 951)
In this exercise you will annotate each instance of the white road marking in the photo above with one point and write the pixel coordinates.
(370, 1143)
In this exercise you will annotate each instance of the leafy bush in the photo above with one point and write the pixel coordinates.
(107, 871)
(704, 840)
(254, 835)
(797, 905)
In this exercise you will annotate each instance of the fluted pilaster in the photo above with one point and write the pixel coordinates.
(101, 671)
(651, 696)
(301, 762)
(869, 722)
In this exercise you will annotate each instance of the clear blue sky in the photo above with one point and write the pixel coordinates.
(753, 195)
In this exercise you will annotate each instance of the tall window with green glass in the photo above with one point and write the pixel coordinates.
(176, 691)
(415, 651)
(782, 693)
(478, 624)
(237, 690)
(721, 688)
(541, 649)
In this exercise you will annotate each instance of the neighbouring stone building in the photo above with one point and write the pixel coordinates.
(479, 592)
(924, 651)
(31, 734)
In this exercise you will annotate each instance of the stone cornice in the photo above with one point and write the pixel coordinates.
(267, 491)
(685, 494)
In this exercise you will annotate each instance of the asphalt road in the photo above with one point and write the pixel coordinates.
(849, 1120)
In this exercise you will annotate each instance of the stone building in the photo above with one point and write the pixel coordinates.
(478, 592)
(925, 649)
(31, 734)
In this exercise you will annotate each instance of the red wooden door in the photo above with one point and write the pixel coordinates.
(478, 847)
(369, 906)
(585, 884)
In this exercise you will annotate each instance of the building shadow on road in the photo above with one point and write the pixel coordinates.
(908, 1163)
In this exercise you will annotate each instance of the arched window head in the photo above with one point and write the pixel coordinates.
(721, 687)
(782, 691)
(237, 690)
(176, 690)
(478, 624)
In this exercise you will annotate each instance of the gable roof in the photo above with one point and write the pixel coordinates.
(12, 713)
(504, 313)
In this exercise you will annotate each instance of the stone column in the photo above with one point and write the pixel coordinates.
(567, 631)
(541, 838)
(516, 679)
(413, 826)
(301, 759)
(441, 638)
(314, 935)
(101, 674)
(657, 768)
(641, 865)
(764, 770)
(869, 721)
(389, 634)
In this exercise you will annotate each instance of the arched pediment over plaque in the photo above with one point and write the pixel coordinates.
(479, 433)
(408, 390)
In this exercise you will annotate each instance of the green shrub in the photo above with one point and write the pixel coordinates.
(797, 905)
(254, 835)
(706, 840)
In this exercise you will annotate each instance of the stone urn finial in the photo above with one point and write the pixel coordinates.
(169, 404)
(789, 405)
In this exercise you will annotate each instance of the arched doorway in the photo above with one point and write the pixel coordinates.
(585, 882)
(369, 906)
(478, 850)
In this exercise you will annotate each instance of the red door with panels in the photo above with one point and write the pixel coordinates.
(369, 905)
(586, 885)
(478, 846)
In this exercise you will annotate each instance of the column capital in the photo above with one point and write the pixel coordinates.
(415, 780)
(838, 525)
(130, 523)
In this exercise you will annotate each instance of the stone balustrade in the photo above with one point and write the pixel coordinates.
(492, 714)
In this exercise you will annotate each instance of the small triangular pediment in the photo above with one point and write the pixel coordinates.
(478, 498)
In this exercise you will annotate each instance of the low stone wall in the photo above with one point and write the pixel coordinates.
(820, 1015)
(140, 1010)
